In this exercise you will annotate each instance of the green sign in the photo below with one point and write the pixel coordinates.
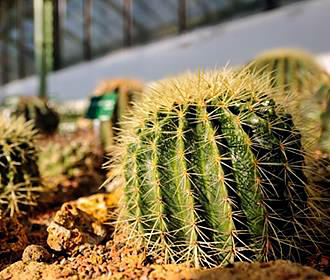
(102, 107)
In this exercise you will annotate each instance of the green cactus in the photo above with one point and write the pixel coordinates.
(297, 78)
(45, 118)
(314, 112)
(291, 70)
(312, 115)
(213, 172)
(19, 173)
(323, 99)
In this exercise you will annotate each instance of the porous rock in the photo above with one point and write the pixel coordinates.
(35, 253)
(37, 271)
(72, 227)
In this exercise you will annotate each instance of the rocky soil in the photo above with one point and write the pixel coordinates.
(75, 242)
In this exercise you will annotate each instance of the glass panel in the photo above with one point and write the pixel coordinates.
(153, 19)
(72, 32)
(107, 26)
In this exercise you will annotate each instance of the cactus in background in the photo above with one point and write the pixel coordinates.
(297, 78)
(72, 116)
(321, 113)
(127, 91)
(69, 167)
(45, 118)
(323, 99)
(126, 88)
(291, 70)
(19, 173)
(213, 172)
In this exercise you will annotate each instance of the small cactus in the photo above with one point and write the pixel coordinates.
(19, 173)
(214, 172)
(44, 117)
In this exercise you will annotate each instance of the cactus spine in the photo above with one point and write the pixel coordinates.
(213, 172)
(19, 173)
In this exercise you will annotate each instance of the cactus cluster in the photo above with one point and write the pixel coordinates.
(214, 172)
(19, 172)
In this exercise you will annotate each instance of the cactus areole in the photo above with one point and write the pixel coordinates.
(213, 172)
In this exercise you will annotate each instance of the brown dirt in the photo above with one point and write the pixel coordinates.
(113, 259)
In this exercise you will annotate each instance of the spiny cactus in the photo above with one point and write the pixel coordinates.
(45, 118)
(321, 114)
(127, 90)
(290, 69)
(313, 114)
(323, 99)
(213, 172)
(19, 173)
(297, 78)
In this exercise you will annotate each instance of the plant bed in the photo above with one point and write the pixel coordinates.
(211, 173)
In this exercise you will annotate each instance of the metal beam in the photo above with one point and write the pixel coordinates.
(58, 16)
(43, 41)
(4, 50)
(182, 15)
(20, 41)
(128, 22)
(87, 29)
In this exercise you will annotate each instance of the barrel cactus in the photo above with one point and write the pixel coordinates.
(297, 78)
(291, 70)
(214, 172)
(322, 98)
(321, 113)
(19, 173)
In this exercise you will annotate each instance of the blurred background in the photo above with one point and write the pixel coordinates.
(64, 48)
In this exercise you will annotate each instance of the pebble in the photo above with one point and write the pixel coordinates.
(35, 253)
